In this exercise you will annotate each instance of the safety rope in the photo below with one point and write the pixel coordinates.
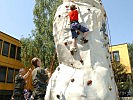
(69, 81)
(108, 28)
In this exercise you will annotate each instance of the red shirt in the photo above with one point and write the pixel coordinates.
(73, 15)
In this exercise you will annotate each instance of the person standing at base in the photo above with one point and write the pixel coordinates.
(18, 93)
(39, 80)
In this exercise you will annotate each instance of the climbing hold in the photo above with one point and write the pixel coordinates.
(89, 82)
(88, 9)
(108, 51)
(58, 68)
(65, 43)
(72, 80)
(81, 61)
(105, 38)
(58, 96)
(107, 57)
(72, 52)
(59, 16)
(110, 88)
(71, 64)
(67, 6)
(93, 5)
(78, 32)
(112, 77)
(110, 66)
(105, 15)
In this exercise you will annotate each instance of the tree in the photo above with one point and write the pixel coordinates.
(130, 50)
(121, 77)
(41, 42)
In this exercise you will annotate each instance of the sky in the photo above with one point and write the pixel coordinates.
(16, 18)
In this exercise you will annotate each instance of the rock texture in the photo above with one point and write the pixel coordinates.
(86, 75)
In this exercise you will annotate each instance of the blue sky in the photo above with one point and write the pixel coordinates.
(16, 18)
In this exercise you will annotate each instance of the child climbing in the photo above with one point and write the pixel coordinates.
(75, 25)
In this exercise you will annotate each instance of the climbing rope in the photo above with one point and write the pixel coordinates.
(69, 81)
(110, 42)
(108, 28)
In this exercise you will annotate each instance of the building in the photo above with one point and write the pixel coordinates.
(10, 63)
(120, 54)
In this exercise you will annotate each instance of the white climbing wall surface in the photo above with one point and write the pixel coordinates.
(87, 74)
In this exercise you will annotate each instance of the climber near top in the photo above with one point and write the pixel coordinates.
(75, 25)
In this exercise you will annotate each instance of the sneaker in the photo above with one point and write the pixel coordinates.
(85, 41)
(82, 40)
(74, 49)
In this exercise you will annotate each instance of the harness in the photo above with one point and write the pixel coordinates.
(74, 21)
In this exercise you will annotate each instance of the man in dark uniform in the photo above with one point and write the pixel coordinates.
(18, 93)
(39, 80)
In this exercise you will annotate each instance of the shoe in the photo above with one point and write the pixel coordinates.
(83, 40)
(74, 49)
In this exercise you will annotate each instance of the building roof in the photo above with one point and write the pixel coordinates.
(118, 44)
(10, 36)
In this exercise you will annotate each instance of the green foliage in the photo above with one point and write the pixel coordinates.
(130, 50)
(41, 43)
(121, 77)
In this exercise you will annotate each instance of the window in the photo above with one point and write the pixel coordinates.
(2, 74)
(5, 49)
(10, 75)
(1, 97)
(12, 51)
(19, 53)
(0, 45)
(116, 56)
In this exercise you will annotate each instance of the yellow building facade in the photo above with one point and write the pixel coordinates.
(120, 54)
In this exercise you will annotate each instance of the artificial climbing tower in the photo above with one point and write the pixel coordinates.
(86, 74)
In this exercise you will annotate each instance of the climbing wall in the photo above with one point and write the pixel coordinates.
(85, 74)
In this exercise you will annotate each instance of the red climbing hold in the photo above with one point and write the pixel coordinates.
(89, 82)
